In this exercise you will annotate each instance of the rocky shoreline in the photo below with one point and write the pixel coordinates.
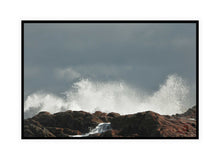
(144, 124)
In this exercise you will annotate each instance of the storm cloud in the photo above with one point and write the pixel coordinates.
(141, 54)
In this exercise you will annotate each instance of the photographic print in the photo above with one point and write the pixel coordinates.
(109, 79)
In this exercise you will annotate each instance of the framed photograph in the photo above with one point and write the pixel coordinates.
(124, 79)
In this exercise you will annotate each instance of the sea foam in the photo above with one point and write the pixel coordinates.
(114, 96)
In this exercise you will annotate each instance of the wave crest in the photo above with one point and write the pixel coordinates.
(90, 96)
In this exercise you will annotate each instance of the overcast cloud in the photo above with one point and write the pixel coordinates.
(142, 55)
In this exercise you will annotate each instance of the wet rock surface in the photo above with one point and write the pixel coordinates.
(144, 124)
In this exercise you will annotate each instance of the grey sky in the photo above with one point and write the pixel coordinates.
(56, 55)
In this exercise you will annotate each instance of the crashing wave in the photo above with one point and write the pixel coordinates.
(100, 128)
(172, 97)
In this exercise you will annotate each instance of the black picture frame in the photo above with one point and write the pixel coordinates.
(196, 22)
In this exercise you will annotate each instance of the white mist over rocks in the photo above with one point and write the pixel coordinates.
(172, 97)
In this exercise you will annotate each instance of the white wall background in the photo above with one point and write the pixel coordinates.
(11, 14)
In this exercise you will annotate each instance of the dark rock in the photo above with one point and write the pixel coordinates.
(113, 115)
(190, 113)
(110, 133)
(71, 132)
(143, 124)
(99, 114)
(102, 116)
(46, 119)
(76, 120)
(63, 132)
(151, 124)
(33, 128)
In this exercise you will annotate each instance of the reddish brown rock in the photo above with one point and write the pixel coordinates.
(33, 128)
(151, 124)
(71, 132)
(99, 114)
(144, 124)
(102, 116)
(63, 132)
(110, 133)
(46, 119)
(74, 122)
(113, 115)
(190, 113)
